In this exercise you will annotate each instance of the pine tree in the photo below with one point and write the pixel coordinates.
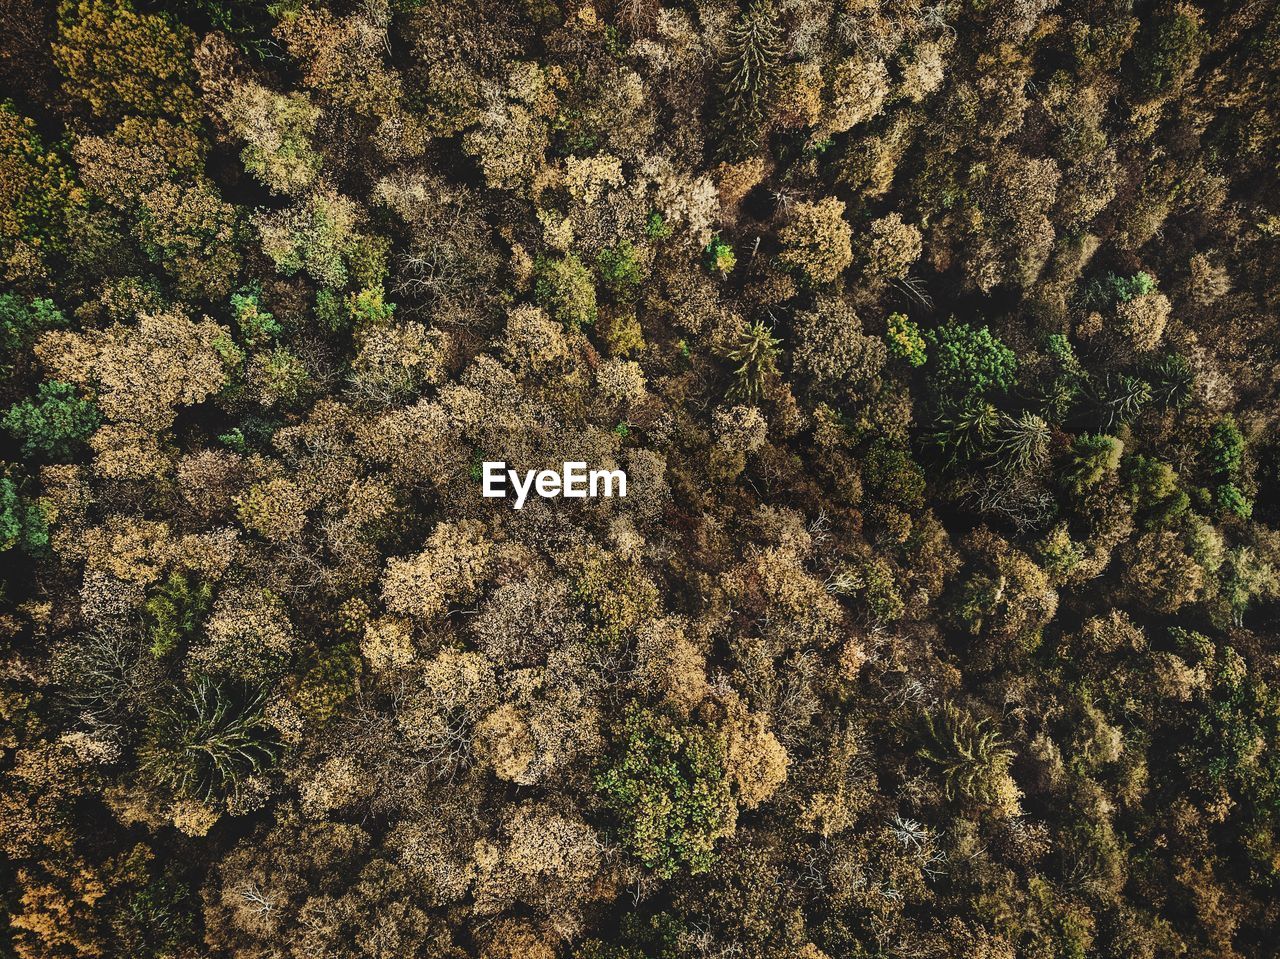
(748, 77)
(206, 742)
(1024, 442)
(970, 754)
(756, 355)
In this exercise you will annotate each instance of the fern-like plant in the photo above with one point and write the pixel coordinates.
(1117, 399)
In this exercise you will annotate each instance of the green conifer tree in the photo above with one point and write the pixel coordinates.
(748, 78)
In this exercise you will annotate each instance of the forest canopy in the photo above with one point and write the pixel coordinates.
(937, 342)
